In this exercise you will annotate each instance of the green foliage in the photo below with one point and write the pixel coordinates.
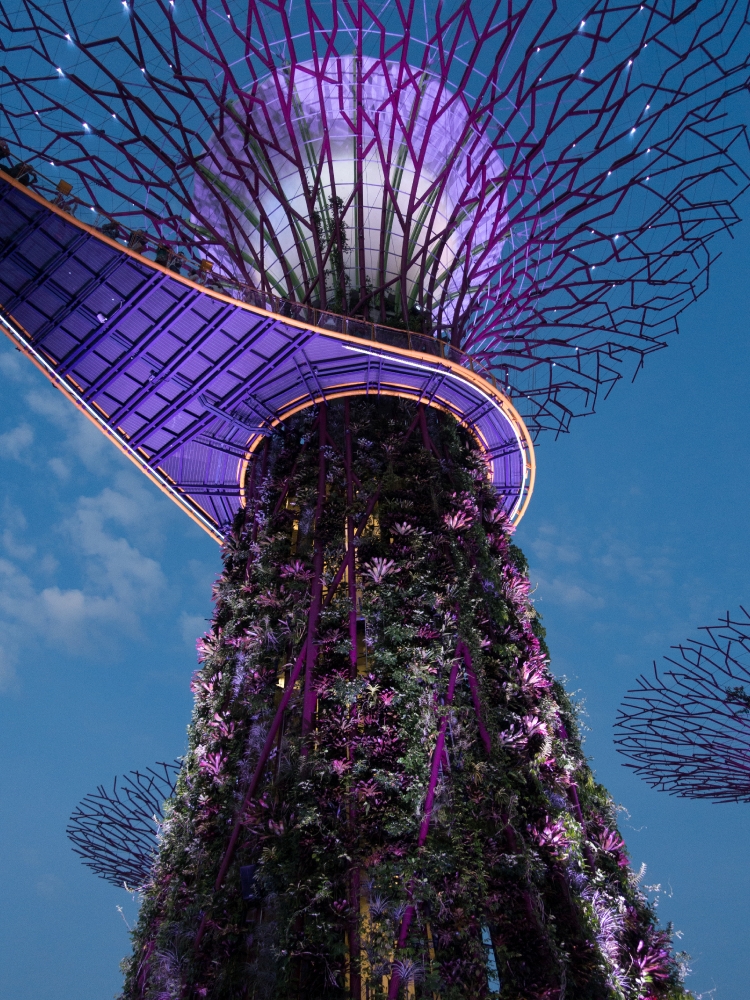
(521, 847)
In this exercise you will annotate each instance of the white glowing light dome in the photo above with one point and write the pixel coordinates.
(416, 178)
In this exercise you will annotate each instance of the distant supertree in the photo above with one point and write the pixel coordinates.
(116, 832)
(687, 732)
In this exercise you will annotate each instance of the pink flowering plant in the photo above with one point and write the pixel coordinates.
(425, 801)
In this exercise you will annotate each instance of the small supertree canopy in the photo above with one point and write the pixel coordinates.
(536, 183)
(116, 833)
(687, 731)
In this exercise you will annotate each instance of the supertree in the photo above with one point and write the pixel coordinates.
(116, 832)
(687, 731)
(391, 220)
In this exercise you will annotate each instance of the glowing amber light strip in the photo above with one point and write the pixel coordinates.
(19, 338)
(357, 344)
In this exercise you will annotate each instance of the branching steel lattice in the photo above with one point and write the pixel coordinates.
(296, 260)
(686, 731)
(535, 184)
(116, 832)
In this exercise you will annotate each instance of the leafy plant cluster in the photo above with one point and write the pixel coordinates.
(516, 883)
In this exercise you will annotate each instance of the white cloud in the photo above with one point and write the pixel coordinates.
(566, 591)
(13, 517)
(117, 585)
(15, 548)
(71, 617)
(48, 564)
(611, 582)
(13, 522)
(123, 565)
(50, 402)
(82, 438)
(15, 443)
(49, 885)
(546, 547)
(191, 627)
(85, 577)
(14, 365)
(557, 569)
(130, 503)
(59, 468)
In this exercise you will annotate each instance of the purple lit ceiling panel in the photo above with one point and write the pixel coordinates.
(187, 381)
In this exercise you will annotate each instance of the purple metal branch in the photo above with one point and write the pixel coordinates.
(289, 479)
(687, 731)
(463, 650)
(309, 696)
(426, 439)
(554, 210)
(437, 756)
(115, 832)
(263, 471)
(254, 782)
(350, 550)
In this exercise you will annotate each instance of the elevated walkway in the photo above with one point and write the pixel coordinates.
(187, 380)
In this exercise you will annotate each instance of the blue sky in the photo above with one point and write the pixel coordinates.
(638, 533)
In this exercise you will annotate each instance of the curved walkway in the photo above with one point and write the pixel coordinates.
(187, 380)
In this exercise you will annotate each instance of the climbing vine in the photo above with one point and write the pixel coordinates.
(384, 793)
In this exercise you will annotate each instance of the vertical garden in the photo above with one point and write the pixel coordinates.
(385, 793)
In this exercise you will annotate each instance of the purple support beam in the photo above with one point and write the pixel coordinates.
(309, 696)
(437, 756)
(350, 550)
(255, 781)
(463, 650)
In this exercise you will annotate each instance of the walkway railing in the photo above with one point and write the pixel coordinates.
(201, 271)
(363, 329)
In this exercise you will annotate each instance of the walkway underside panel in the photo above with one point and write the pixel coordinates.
(187, 381)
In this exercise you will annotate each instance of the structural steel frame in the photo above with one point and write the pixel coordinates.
(116, 832)
(686, 730)
(556, 173)
(187, 381)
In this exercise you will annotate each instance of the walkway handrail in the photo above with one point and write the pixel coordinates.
(201, 270)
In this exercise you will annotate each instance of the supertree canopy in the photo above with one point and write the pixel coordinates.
(535, 183)
(116, 832)
(371, 226)
(687, 731)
